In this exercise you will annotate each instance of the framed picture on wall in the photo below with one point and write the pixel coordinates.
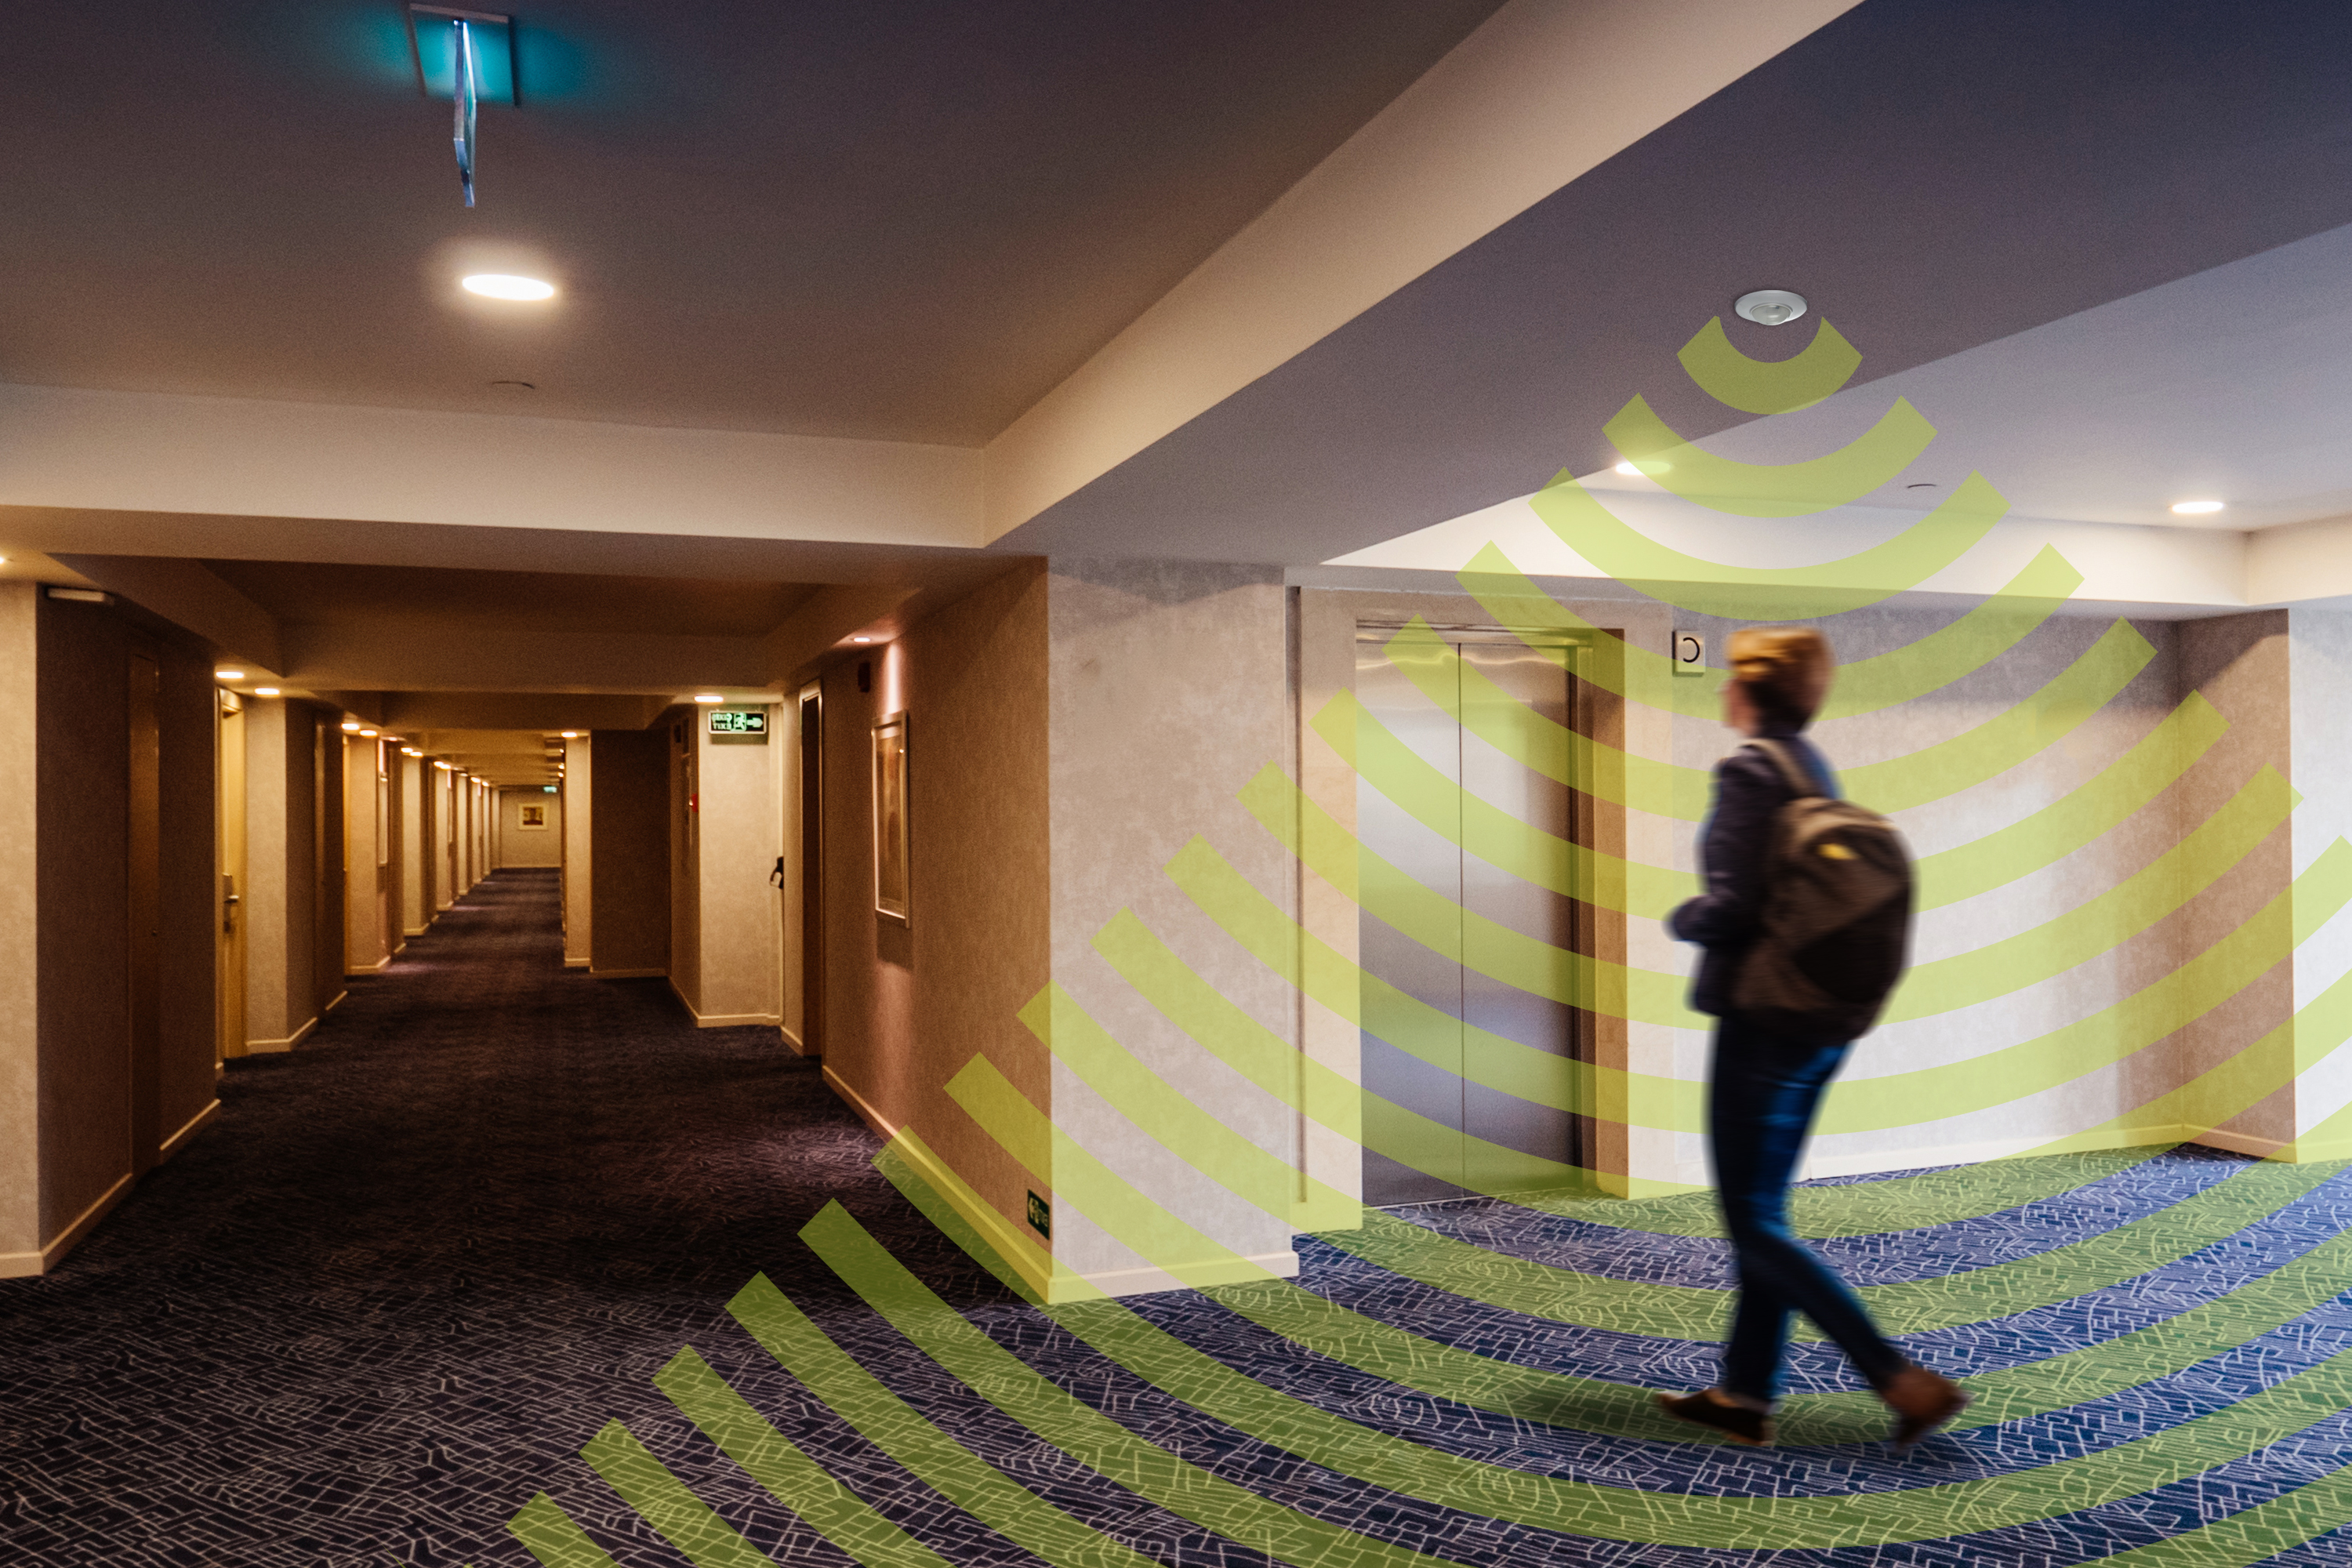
(892, 890)
(533, 817)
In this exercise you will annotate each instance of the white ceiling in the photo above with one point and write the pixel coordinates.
(2232, 384)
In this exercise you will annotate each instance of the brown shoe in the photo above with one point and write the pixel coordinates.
(1722, 1412)
(1922, 1401)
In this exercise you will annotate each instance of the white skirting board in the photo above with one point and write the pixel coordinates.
(1015, 1248)
(22, 1265)
(723, 1020)
(263, 1048)
(179, 1141)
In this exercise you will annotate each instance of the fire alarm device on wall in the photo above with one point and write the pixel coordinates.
(1690, 654)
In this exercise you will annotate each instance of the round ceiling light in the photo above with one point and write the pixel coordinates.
(228, 675)
(264, 692)
(351, 726)
(1769, 307)
(1628, 470)
(2196, 508)
(709, 697)
(507, 286)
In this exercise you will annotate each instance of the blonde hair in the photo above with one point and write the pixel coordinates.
(1785, 669)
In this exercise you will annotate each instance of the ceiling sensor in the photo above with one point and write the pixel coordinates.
(516, 385)
(1925, 485)
(1769, 307)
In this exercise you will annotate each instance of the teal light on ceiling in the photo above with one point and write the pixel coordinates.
(435, 41)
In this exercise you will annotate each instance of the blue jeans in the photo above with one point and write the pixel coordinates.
(1765, 1088)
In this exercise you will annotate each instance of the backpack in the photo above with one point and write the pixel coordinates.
(1836, 917)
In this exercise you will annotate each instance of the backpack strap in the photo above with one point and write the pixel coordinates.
(1800, 780)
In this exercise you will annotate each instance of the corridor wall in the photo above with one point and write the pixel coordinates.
(629, 844)
(521, 846)
(371, 830)
(909, 1006)
(87, 1102)
(415, 894)
(282, 844)
(579, 863)
(727, 831)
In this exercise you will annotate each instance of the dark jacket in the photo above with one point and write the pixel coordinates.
(1734, 847)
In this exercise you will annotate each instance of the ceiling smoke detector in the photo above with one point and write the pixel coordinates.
(1769, 307)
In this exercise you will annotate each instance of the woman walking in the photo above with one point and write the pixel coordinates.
(1768, 1077)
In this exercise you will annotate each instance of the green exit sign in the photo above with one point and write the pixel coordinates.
(740, 725)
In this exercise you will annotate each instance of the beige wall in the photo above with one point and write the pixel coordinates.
(2320, 667)
(414, 905)
(738, 916)
(579, 863)
(80, 1118)
(366, 946)
(1171, 688)
(629, 844)
(281, 999)
(20, 924)
(907, 1007)
(521, 846)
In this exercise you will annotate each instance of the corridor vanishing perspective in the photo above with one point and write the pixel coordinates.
(1176, 786)
(505, 1243)
(352, 1322)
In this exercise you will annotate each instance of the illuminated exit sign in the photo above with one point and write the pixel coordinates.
(739, 726)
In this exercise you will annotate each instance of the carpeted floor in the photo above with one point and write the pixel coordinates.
(414, 1265)
(427, 1271)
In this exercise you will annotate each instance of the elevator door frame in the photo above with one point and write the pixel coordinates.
(1583, 1136)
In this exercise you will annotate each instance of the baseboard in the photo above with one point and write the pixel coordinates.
(360, 972)
(799, 1046)
(867, 1113)
(415, 931)
(722, 1020)
(2241, 1143)
(263, 1048)
(25, 1265)
(1231, 1270)
(179, 1141)
(628, 973)
(575, 963)
(341, 997)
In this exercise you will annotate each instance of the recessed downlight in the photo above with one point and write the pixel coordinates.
(367, 735)
(1628, 470)
(507, 286)
(264, 692)
(2196, 508)
(351, 726)
(228, 675)
(709, 697)
(1769, 307)
(861, 639)
(572, 734)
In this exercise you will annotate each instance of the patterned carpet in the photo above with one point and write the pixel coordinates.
(432, 1273)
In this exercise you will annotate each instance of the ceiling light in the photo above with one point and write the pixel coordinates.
(709, 697)
(1628, 470)
(228, 675)
(507, 286)
(572, 734)
(861, 639)
(264, 692)
(1769, 307)
(2196, 508)
(352, 726)
(367, 735)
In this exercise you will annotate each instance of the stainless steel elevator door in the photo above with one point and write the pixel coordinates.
(1439, 1030)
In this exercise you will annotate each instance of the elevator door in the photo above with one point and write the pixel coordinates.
(1468, 1076)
